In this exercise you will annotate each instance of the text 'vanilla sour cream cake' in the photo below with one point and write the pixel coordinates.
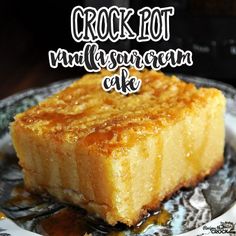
(118, 156)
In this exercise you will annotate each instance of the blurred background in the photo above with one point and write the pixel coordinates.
(28, 30)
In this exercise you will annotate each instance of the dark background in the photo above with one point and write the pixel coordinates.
(28, 30)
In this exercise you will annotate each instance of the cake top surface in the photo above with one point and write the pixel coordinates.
(84, 111)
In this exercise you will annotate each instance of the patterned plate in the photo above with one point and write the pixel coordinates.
(186, 210)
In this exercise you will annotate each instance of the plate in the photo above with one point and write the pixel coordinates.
(212, 200)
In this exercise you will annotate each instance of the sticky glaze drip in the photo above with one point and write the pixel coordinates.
(160, 218)
(20, 194)
(20, 197)
(64, 222)
(71, 222)
(2, 216)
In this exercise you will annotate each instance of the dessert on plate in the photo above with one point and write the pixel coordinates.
(118, 156)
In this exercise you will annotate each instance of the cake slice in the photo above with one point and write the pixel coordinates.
(118, 156)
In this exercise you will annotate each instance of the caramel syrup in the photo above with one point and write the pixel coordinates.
(69, 222)
(162, 217)
(66, 222)
(2, 216)
(21, 197)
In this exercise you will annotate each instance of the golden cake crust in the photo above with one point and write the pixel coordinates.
(83, 112)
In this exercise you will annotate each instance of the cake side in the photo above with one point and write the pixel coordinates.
(122, 162)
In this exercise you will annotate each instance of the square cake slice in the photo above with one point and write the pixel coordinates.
(118, 156)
